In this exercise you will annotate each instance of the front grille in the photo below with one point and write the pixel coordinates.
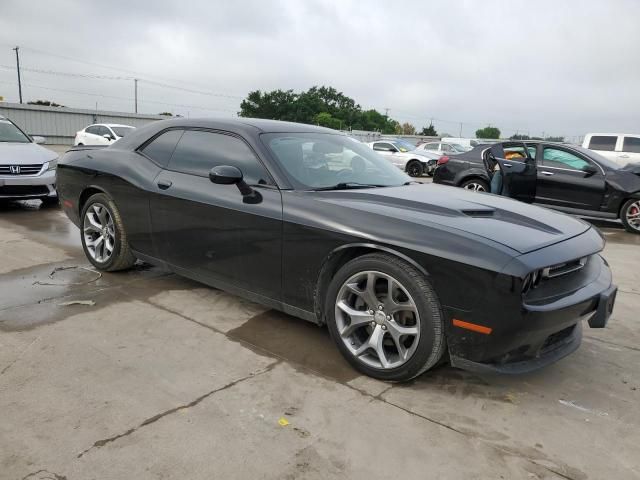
(20, 170)
(18, 190)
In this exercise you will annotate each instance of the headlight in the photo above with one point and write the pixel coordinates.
(51, 165)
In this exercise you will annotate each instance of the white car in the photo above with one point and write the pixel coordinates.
(442, 148)
(404, 156)
(622, 148)
(102, 134)
(27, 170)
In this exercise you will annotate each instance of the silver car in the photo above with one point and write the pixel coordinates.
(404, 156)
(27, 170)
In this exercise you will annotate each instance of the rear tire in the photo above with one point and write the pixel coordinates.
(104, 238)
(402, 334)
(630, 215)
(475, 185)
(414, 168)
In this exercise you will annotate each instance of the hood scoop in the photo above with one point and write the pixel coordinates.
(479, 213)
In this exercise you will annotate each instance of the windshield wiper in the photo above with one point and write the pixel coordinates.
(348, 186)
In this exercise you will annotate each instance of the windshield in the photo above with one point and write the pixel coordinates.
(122, 131)
(457, 148)
(404, 146)
(9, 133)
(322, 160)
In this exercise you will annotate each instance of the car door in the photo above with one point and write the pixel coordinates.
(91, 136)
(98, 138)
(518, 170)
(212, 232)
(570, 179)
(391, 153)
(630, 149)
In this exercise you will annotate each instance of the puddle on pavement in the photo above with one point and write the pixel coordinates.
(301, 342)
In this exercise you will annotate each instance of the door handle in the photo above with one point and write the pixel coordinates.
(547, 173)
(507, 164)
(164, 184)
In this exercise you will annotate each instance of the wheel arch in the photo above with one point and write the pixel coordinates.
(339, 257)
(472, 176)
(87, 193)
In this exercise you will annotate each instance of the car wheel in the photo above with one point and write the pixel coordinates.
(104, 238)
(476, 185)
(414, 169)
(630, 215)
(385, 318)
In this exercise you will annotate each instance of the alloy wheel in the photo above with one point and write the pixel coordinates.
(99, 232)
(633, 215)
(377, 320)
(476, 187)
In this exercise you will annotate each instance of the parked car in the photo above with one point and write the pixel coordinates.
(27, 170)
(564, 177)
(622, 148)
(404, 156)
(402, 273)
(467, 143)
(102, 134)
(442, 148)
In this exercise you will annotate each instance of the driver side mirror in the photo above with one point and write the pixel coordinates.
(225, 175)
(108, 136)
(589, 170)
(230, 175)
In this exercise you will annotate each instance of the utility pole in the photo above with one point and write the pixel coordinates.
(18, 67)
(135, 84)
(460, 134)
(386, 112)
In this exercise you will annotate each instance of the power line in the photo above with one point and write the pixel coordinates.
(140, 76)
(128, 99)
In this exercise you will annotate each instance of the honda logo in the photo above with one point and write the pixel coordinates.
(14, 169)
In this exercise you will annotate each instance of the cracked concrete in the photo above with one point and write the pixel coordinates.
(165, 378)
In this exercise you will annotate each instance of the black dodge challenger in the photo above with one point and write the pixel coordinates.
(314, 223)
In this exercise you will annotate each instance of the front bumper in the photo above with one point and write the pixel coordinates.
(28, 186)
(537, 331)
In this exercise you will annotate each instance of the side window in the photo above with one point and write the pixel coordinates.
(554, 157)
(431, 146)
(631, 144)
(198, 152)
(447, 148)
(92, 129)
(162, 147)
(603, 142)
(383, 147)
(515, 153)
(100, 130)
(532, 151)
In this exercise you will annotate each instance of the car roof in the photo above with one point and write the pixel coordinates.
(113, 125)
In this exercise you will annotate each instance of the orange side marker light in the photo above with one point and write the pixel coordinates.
(472, 326)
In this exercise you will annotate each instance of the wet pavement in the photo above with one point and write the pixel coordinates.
(144, 374)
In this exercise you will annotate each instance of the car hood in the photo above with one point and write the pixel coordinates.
(24, 154)
(519, 226)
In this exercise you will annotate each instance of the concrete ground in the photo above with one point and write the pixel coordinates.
(165, 378)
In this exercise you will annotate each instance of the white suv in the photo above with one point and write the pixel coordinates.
(102, 134)
(622, 148)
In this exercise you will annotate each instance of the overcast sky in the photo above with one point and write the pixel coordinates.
(562, 67)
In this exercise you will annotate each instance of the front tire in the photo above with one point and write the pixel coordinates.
(630, 215)
(385, 318)
(104, 238)
(415, 169)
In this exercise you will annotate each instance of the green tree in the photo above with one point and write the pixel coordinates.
(166, 114)
(519, 137)
(429, 131)
(554, 139)
(408, 129)
(324, 106)
(488, 132)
